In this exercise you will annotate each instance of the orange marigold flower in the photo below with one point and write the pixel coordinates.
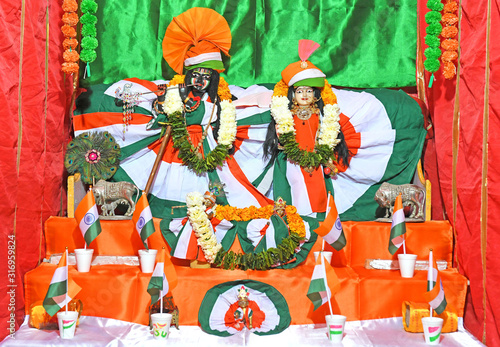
(449, 70)
(70, 6)
(280, 89)
(223, 90)
(450, 45)
(70, 68)
(327, 94)
(176, 80)
(449, 55)
(449, 32)
(70, 43)
(70, 18)
(450, 7)
(71, 56)
(449, 19)
(68, 31)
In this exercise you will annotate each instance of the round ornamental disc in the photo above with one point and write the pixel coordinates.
(264, 311)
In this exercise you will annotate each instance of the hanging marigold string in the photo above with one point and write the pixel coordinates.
(89, 33)
(433, 29)
(70, 20)
(449, 44)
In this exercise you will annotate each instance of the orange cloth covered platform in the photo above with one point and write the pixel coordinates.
(119, 291)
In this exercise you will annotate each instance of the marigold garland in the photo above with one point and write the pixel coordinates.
(450, 45)
(70, 20)
(222, 91)
(295, 222)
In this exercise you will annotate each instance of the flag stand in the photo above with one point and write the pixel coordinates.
(327, 295)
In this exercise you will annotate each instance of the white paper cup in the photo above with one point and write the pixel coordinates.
(335, 325)
(407, 264)
(326, 255)
(67, 323)
(83, 259)
(161, 325)
(432, 329)
(147, 258)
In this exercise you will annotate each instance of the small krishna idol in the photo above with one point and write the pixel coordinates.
(304, 141)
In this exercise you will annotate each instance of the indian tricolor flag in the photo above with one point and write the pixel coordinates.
(164, 277)
(61, 290)
(398, 227)
(331, 228)
(143, 219)
(435, 292)
(324, 283)
(87, 218)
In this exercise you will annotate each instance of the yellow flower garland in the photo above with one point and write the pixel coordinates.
(328, 96)
(295, 222)
(223, 89)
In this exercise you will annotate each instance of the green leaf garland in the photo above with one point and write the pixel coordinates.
(89, 32)
(302, 157)
(433, 30)
(259, 261)
(188, 154)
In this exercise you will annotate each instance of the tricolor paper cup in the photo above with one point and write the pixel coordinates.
(335, 326)
(326, 255)
(147, 258)
(83, 259)
(407, 264)
(432, 329)
(67, 323)
(161, 325)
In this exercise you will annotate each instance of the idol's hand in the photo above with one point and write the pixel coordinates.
(162, 92)
(183, 91)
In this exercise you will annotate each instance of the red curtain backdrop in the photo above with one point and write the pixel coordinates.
(466, 132)
(33, 133)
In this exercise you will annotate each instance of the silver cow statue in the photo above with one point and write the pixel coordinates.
(412, 195)
(109, 194)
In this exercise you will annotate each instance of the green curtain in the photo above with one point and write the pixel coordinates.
(364, 43)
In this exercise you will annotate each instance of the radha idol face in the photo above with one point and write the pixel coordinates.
(304, 96)
(201, 79)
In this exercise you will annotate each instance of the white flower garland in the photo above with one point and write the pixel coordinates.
(328, 129)
(227, 129)
(201, 226)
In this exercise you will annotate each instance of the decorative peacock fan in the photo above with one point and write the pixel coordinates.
(94, 155)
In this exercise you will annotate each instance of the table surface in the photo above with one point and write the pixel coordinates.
(94, 331)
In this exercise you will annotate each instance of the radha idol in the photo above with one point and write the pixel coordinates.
(304, 141)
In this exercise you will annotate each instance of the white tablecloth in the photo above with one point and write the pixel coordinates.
(95, 331)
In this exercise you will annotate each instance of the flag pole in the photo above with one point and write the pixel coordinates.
(327, 295)
(326, 214)
(431, 263)
(67, 279)
(161, 301)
